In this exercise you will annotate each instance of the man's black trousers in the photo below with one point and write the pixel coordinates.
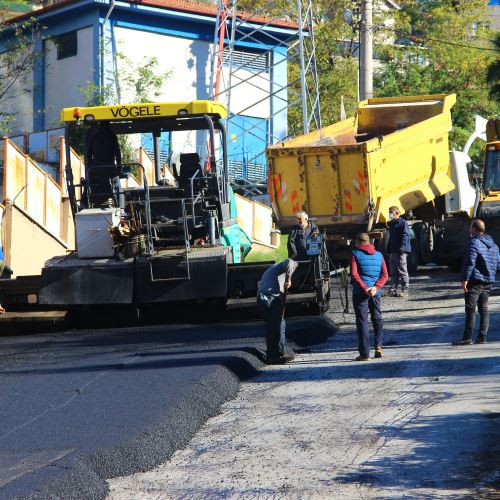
(477, 295)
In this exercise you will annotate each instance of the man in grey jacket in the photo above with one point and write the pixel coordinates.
(270, 301)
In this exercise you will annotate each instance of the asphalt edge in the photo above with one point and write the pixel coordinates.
(155, 445)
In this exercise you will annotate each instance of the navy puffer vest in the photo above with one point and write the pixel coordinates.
(369, 269)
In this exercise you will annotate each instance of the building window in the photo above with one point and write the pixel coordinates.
(248, 59)
(67, 45)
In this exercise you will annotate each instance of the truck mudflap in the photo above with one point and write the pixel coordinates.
(69, 281)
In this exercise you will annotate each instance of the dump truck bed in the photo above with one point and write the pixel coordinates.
(347, 175)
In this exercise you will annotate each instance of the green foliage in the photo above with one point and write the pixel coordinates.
(16, 65)
(143, 81)
(445, 53)
(337, 69)
(430, 49)
(493, 73)
(140, 81)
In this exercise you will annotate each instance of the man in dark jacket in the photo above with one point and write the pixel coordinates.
(270, 301)
(398, 248)
(297, 241)
(102, 146)
(479, 268)
(369, 274)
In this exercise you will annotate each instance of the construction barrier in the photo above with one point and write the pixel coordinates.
(31, 189)
(148, 165)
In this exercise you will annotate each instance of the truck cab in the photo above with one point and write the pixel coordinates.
(489, 205)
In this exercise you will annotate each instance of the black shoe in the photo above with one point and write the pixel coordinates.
(280, 360)
(481, 339)
(462, 342)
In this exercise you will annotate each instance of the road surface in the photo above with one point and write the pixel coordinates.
(77, 407)
(422, 422)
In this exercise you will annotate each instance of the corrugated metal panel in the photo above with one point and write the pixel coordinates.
(252, 61)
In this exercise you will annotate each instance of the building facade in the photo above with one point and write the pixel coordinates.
(89, 45)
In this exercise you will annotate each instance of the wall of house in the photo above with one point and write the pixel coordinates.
(64, 77)
(189, 62)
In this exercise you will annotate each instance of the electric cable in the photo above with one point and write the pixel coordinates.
(437, 40)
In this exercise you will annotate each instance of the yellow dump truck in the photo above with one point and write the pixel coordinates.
(490, 194)
(346, 176)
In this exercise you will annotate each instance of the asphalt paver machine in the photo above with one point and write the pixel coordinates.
(150, 239)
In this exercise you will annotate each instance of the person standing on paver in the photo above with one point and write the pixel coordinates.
(301, 232)
(398, 247)
(479, 268)
(270, 301)
(369, 275)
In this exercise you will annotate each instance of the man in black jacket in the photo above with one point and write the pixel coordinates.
(398, 248)
(479, 268)
(297, 241)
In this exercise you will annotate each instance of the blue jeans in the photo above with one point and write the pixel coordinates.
(362, 304)
(272, 309)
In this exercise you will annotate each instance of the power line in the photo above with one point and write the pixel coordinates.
(437, 40)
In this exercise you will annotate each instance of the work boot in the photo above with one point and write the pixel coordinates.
(481, 339)
(362, 358)
(462, 342)
(392, 293)
(404, 294)
(288, 356)
(378, 352)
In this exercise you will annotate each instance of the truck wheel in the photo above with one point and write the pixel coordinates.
(413, 257)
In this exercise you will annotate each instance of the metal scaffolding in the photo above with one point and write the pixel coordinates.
(271, 60)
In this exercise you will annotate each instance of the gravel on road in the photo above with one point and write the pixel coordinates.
(422, 422)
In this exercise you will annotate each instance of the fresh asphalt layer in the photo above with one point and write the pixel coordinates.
(81, 406)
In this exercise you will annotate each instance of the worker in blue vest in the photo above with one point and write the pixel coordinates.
(369, 275)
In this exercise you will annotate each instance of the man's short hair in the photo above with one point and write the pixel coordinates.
(302, 214)
(394, 208)
(478, 225)
(363, 238)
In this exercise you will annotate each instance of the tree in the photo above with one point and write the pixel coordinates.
(140, 82)
(442, 48)
(335, 57)
(16, 64)
(493, 73)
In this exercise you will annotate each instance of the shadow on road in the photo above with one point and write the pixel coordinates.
(427, 465)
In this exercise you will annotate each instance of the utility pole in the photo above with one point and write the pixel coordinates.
(366, 51)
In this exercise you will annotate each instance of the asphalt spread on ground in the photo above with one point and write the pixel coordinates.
(81, 406)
